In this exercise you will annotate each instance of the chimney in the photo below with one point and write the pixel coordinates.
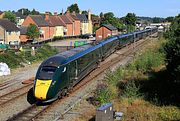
(89, 15)
(46, 16)
(55, 13)
(22, 12)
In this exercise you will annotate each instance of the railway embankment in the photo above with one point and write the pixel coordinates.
(140, 90)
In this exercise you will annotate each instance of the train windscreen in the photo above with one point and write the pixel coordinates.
(46, 73)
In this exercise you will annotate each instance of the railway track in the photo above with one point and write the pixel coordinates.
(36, 112)
(14, 94)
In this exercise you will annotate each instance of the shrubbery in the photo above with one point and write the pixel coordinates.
(15, 59)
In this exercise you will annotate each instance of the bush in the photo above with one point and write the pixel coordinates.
(131, 90)
(15, 59)
(149, 60)
(102, 94)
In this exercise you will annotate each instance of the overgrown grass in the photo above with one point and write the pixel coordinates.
(16, 59)
(143, 91)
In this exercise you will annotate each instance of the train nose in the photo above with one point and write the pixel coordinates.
(41, 88)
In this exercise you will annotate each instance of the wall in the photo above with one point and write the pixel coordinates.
(23, 38)
(1, 35)
(102, 33)
(69, 29)
(77, 25)
(85, 28)
(12, 36)
(59, 31)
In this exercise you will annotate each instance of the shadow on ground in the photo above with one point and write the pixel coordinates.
(160, 90)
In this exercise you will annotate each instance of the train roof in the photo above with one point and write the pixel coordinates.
(61, 58)
(77, 55)
(72, 52)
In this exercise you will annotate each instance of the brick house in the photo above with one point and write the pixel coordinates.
(84, 23)
(105, 30)
(68, 30)
(57, 23)
(46, 30)
(9, 33)
(76, 23)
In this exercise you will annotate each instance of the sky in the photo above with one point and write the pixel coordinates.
(148, 8)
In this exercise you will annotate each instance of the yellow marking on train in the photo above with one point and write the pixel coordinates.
(41, 88)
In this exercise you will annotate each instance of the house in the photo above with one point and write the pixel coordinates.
(84, 23)
(9, 33)
(20, 18)
(76, 22)
(46, 30)
(23, 31)
(68, 31)
(105, 30)
(56, 22)
(1, 14)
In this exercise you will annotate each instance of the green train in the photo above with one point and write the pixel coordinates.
(57, 75)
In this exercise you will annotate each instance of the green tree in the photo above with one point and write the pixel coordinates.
(130, 22)
(169, 19)
(109, 18)
(25, 11)
(101, 15)
(73, 7)
(84, 12)
(10, 16)
(172, 49)
(157, 20)
(32, 32)
(34, 12)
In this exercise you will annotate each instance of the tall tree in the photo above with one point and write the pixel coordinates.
(130, 22)
(84, 12)
(169, 19)
(101, 15)
(109, 18)
(32, 32)
(34, 12)
(73, 7)
(24, 11)
(172, 49)
(10, 16)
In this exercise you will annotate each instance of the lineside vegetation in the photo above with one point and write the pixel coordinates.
(141, 90)
(18, 59)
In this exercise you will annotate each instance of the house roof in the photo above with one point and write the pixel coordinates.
(8, 26)
(110, 27)
(66, 19)
(56, 21)
(39, 20)
(74, 16)
(23, 30)
(20, 15)
(81, 17)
